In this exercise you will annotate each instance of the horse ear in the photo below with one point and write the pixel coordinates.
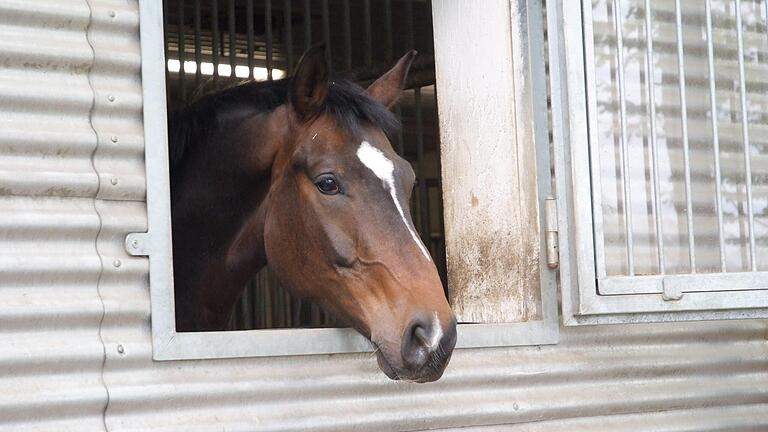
(388, 87)
(309, 87)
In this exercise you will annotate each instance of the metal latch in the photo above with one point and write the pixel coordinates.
(550, 232)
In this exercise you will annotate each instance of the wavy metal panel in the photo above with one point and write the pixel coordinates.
(54, 284)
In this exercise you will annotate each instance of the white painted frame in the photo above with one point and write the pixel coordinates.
(168, 344)
(581, 304)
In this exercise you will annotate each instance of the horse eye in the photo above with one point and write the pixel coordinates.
(328, 185)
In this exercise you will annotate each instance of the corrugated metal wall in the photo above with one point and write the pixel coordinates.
(75, 345)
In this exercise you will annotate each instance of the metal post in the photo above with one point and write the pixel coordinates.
(268, 36)
(420, 165)
(288, 36)
(715, 133)
(745, 133)
(347, 36)
(249, 36)
(232, 39)
(625, 174)
(649, 74)
(684, 124)
(198, 46)
(368, 47)
(182, 56)
(215, 39)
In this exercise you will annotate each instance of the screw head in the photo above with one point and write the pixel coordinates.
(113, 181)
(112, 14)
(114, 139)
(135, 244)
(120, 349)
(111, 98)
(117, 263)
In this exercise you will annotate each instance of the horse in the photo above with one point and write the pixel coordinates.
(299, 174)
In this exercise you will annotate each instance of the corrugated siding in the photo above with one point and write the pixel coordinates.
(62, 262)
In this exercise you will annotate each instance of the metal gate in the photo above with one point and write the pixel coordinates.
(214, 44)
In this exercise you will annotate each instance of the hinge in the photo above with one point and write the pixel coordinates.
(550, 232)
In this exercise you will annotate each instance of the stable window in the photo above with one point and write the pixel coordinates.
(495, 201)
(662, 159)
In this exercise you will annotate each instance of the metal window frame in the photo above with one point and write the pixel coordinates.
(167, 344)
(649, 298)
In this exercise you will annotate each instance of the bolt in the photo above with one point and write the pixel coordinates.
(120, 349)
(117, 263)
(111, 98)
(113, 181)
(114, 139)
(112, 14)
(135, 244)
(515, 406)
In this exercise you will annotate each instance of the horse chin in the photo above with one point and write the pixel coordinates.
(424, 375)
(385, 367)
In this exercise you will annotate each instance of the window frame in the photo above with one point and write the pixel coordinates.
(581, 304)
(156, 244)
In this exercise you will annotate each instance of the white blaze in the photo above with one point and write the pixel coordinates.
(384, 169)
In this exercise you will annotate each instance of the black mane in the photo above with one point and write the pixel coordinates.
(347, 102)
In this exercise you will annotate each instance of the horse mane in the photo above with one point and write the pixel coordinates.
(347, 103)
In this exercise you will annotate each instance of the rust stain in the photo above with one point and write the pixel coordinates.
(475, 201)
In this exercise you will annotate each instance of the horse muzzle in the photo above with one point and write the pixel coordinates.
(424, 352)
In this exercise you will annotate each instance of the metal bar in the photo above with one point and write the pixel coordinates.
(215, 38)
(232, 38)
(268, 36)
(409, 33)
(625, 175)
(684, 124)
(388, 42)
(715, 132)
(745, 133)
(288, 36)
(198, 45)
(327, 32)
(182, 57)
(368, 47)
(249, 36)
(347, 36)
(166, 35)
(420, 165)
(307, 24)
(652, 128)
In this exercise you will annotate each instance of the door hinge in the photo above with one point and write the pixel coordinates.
(550, 232)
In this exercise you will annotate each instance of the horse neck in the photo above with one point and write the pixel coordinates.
(217, 225)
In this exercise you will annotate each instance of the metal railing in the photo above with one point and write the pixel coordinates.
(680, 97)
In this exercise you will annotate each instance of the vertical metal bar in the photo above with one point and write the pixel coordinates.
(307, 24)
(625, 175)
(198, 46)
(232, 39)
(327, 32)
(166, 34)
(715, 132)
(745, 133)
(268, 36)
(249, 36)
(182, 48)
(684, 124)
(421, 166)
(388, 42)
(215, 39)
(409, 33)
(347, 36)
(288, 37)
(649, 74)
(368, 47)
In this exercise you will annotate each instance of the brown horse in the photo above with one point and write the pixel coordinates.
(300, 174)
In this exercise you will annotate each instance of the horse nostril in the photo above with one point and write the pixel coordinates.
(415, 345)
